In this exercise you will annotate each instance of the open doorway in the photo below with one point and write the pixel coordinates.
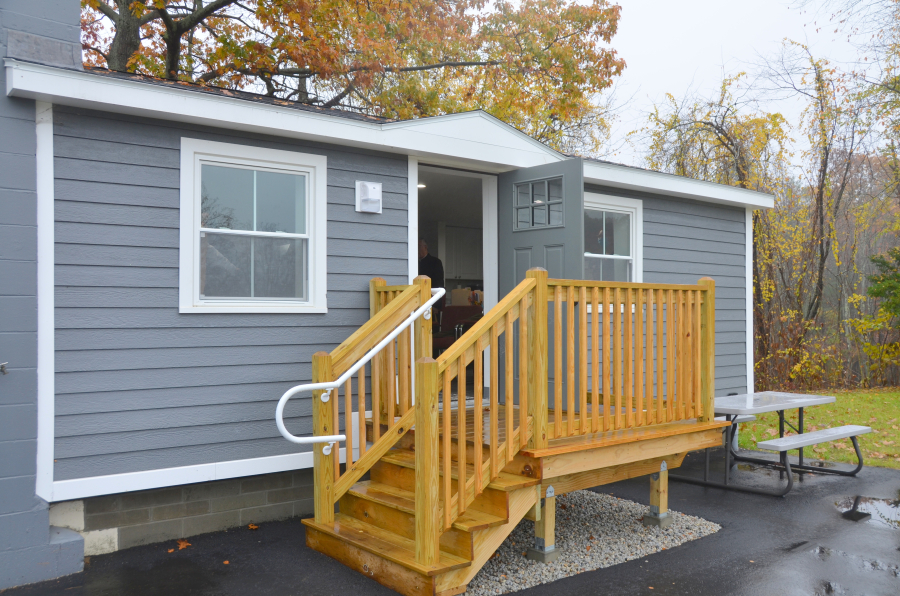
(450, 222)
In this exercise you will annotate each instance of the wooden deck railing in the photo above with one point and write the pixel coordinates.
(389, 392)
(627, 355)
(624, 355)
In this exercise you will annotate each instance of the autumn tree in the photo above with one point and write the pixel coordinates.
(539, 64)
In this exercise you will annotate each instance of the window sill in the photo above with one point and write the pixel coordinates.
(253, 308)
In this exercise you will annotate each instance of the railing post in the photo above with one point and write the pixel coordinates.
(374, 306)
(537, 323)
(323, 420)
(708, 348)
(422, 325)
(428, 517)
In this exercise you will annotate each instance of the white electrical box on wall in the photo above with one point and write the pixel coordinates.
(368, 197)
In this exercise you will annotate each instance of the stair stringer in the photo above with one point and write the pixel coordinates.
(487, 541)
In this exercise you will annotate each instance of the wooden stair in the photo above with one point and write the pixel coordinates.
(374, 533)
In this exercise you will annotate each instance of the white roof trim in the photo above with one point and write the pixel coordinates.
(471, 140)
(674, 186)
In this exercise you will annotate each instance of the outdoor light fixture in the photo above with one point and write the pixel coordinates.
(368, 197)
(421, 185)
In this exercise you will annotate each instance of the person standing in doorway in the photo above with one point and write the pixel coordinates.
(432, 267)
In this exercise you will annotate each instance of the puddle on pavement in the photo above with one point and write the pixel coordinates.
(882, 512)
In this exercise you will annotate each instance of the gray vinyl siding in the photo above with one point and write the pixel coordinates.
(685, 240)
(141, 386)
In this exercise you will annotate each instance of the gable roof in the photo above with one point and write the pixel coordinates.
(469, 140)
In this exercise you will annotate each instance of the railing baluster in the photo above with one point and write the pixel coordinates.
(639, 356)
(479, 413)
(595, 360)
(557, 361)
(376, 395)
(670, 353)
(679, 352)
(698, 404)
(510, 387)
(403, 372)
(391, 382)
(686, 353)
(461, 438)
(607, 357)
(523, 372)
(570, 361)
(494, 410)
(648, 365)
(629, 357)
(348, 420)
(584, 419)
(661, 414)
(617, 354)
(446, 455)
(361, 413)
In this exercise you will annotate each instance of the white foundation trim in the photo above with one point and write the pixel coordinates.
(751, 373)
(46, 365)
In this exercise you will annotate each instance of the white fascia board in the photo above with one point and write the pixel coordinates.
(496, 147)
(674, 186)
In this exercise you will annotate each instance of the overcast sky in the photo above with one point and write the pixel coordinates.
(680, 46)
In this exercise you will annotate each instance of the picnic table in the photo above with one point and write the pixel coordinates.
(740, 408)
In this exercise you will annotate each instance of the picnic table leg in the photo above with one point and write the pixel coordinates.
(659, 499)
(801, 432)
(544, 550)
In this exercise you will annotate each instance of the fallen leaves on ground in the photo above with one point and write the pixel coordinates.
(183, 544)
(171, 550)
(253, 526)
(224, 562)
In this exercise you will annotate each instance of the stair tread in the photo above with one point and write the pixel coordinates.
(385, 544)
(404, 500)
(505, 482)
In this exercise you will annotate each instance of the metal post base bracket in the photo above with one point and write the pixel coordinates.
(660, 521)
(543, 556)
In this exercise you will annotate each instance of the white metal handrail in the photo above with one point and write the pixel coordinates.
(425, 309)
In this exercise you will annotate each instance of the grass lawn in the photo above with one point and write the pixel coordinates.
(878, 408)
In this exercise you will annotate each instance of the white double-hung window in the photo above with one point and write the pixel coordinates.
(613, 238)
(253, 227)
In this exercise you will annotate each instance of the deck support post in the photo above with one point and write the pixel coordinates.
(323, 420)
(659, 499)
(545, 550)
(537, 369)
(428, 515)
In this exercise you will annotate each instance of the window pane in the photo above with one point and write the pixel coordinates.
(555, 189)
(602, 269)
(226, 197)
(540, 215)
(280, 202)
(523, 217)
(618, 234)
(539, 192)
(556, 214)
(593, 232)
(279, 268)
(523, 194)
(224, 265)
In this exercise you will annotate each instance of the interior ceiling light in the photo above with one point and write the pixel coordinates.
(421, 185)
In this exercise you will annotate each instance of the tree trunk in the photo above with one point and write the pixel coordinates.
(127, 40)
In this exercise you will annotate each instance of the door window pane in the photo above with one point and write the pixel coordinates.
(523, 194)
(540, 215)
(555, 189)
(545, 199)
(523, 217)
(556, 214)
(539, 193)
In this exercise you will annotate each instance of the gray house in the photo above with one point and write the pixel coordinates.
(171, 257)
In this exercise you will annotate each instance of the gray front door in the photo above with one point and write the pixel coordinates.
(541, 222)
(540, 214)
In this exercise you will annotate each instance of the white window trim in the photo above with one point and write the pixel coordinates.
(635, 208)
(314, 166)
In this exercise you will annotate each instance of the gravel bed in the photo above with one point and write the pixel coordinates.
(592, 531)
